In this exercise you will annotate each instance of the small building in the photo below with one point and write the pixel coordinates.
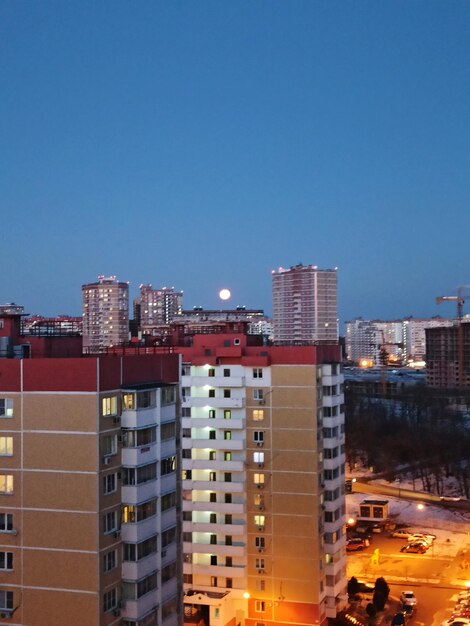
(373, 510)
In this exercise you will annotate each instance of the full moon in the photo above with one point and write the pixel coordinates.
(224, 294)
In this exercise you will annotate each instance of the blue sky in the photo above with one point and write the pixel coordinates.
(202, 144)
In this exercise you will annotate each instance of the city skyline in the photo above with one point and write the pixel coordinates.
(203, 146)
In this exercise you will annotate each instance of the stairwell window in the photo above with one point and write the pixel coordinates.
(6, 484)
(6, 522)
(6, 599)
(109, 484)
(6, 407)
(258, 415)
(6, 560)
(258, 479)
(109, 406)
(258, 436)
(6, 446)
(258, 394)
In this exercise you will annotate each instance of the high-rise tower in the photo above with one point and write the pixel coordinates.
(105, 314)
(304, 305)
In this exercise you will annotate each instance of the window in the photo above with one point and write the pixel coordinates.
(260, 586)
(110, 600)
(167, 430)
(168, 501)
(6, 560)
(6, 483)
(259, 521)
(228, 477)
(226, 373)
(259, 563)
(145, 399)
(258, 457)
(187, 474)
(139, 475)
(168, 536)
(229, 583)
(228, 561)
(6, 522)
(6, 407)
(227, 456)
(258, 394)
(212, 455)
(258, 479)
(6, 599)
(6, 446)
(142, 437)
(137, 551)
(213, 581)
(168, 572)
(259, 543)
(109, 561)
(259, 606)
(212, 476)
(228, 540)
(227, 414)
(109, 445)
(227, 393)
(109, 406)
(258, 415)
(257, 372)
(213, 518)
(109, 484)
(227, 434)
(212, 434)
(132, 513)
(213, 540)
(110, 522)
(168, 465)
(212, 496)
(211, 372)
(211, 393)
(228, 518)
(212, 413)
(258, 436)
(228, 498)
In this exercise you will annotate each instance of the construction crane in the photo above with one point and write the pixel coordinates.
(460, 301)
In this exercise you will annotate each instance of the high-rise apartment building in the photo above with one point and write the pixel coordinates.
(304, 305)
(263, 481)
(448, 361)
(89, 489)
(157, 306)
(105, 314)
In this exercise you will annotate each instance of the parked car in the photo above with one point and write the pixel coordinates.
(408, 610)
(402, 533)
(450, 498)
(429, 539)
(426, 533)
(356, 544)
(456, 621)
(423, 542)
(408, 597)
(366, 587)
(398, 620)
(415, 548)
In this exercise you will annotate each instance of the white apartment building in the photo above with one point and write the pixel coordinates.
(263, 483)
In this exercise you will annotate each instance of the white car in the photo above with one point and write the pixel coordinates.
(420, 537)
(408, 597)
(402, 533)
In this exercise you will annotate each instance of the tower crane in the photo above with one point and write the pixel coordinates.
(460, 301)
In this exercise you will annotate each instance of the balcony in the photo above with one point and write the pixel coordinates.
(214, 507)
(132, 494)
(213, 444)
(214, 570)
(131, 457)
(333, 400)
(236, 530)
(213, 485)
(222, 466)
(216, 403)
(135, 609)
(134, 533)
(226, 382)
(212, 548)
(134, 570)
(235, 423)
(140, 418)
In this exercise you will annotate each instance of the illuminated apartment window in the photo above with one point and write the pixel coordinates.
(227, 414)
(259, 606)
(6, 446)
(258, 415)
(6, 407)
(109, 406)
(258, 457)
(227, 456)
(212, 413)
(6, 522)
(213, 581)
(258, 479)
(6, 483)
(6, 560)
(227, 434)
(257, 499)
(128, 401)
(259, 521)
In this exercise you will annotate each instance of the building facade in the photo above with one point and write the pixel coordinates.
(263, 482)
(157, 306)
(105, 314)
(304, 305)
(443, 359)
(89, 491)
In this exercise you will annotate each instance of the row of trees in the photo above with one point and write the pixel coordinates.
(422, 433)
(379, 599)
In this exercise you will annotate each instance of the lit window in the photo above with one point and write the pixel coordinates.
(258, 457)
(259, 521)
(258, 415)
(128, 401)
(259, 606)
(6, 483)
(6, 407)
(258, 479)
(6, 446)
(109, 406)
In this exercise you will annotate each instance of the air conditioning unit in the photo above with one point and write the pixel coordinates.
(261, 507)
(261, 571)
(260, 464)
(260, 486)
(260, 549)
(121, 604)
(260, 443)
(116, 612)
(6, 613)
(106, 460)
(116, 419)
(261, 528)
(262, 401)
